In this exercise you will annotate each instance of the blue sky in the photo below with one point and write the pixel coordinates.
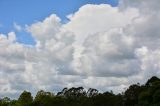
(27, 12)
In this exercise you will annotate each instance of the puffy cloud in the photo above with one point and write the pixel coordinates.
(24, 67)
(17, 26)
(150, 60)
(46, 29)
(112, 46)
(109, 54)
(11, 62)
(144, 6)
(98, 33)
(91, 19)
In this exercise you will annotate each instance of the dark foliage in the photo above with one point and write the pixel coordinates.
(135, 95)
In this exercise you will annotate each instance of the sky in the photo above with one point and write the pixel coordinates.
(102, 44)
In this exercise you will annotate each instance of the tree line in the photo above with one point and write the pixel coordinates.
(136, 95)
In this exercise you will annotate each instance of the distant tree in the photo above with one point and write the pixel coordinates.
(135, 95)
(131, 94)
(43, 98)
(62, 93)
(156, 97)
(0, 102)
(25, 99)
(144, 98)
(15, 103)
(6, 101)
(92, 92)
(150, 95)
(152, 80)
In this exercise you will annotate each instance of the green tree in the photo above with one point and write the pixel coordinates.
(25, 99)
(44, 98)
(131, 94)
(152, 80)
(156, 97)
(92, 92)
(144, 99)
(5, 101)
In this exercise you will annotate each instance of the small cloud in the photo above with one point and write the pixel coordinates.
(70, 16)
(11, 36)
(17, 26)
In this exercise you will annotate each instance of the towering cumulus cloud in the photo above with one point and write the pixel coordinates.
(101, 46)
